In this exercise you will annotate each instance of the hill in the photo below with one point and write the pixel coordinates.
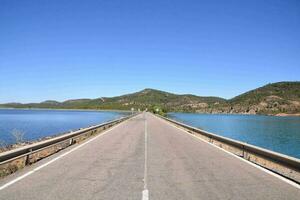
(276, 98)
(168, 101)
(146, 98)
(272, 99)
(281, 97)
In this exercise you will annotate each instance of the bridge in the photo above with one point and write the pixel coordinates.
(145, 157)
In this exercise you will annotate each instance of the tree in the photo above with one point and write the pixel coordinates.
(18, 135)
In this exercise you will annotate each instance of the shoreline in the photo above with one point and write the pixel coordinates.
(271, 115)
(113, 110)
(66, 109)
(287, 115)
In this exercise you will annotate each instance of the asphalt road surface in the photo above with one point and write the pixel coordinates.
(144, 158)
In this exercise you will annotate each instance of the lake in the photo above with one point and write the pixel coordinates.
(279, 134)
(37, 124)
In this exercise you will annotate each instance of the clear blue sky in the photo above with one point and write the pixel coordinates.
(85, 49)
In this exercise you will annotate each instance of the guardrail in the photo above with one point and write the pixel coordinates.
(13, 160)
(284, 165)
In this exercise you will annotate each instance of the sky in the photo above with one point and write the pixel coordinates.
(61, 49)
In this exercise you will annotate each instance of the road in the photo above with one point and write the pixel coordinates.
(144, 158)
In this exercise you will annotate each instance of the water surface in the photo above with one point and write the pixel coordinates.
(37, 124)
(280, 134)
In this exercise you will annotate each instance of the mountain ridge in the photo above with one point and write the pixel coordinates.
(272, 99)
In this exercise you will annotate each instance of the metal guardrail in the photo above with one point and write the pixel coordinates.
(279, 163)
(12, 160)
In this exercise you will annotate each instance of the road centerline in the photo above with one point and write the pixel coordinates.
(145, 192)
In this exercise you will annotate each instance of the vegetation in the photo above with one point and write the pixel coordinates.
(282, 97)
(2, 145)
(158, 110)
(18, 135)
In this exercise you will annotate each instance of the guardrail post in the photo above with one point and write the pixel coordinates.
(27, 161)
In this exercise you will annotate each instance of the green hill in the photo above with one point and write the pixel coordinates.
(281, 97)
(146, 98)
(168, 101)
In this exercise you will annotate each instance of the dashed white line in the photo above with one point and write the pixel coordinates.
(145, 195)
(145, 191)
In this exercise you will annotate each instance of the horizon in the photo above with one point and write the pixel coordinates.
(147, 89)
(59, 50)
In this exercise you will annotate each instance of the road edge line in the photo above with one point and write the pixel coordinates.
(60, 156)
(232, 154)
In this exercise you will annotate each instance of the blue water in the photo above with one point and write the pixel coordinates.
(279, 134)
(36, 124)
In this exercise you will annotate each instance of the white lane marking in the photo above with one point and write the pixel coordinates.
(57, 158)
(145, 191)
(145, 195)
(242, 159)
